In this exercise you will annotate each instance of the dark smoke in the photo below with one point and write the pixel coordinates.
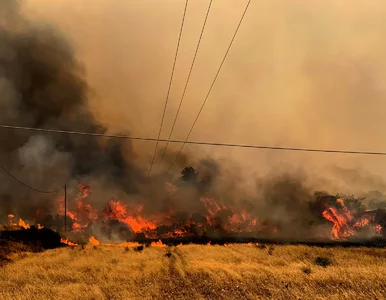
(43, 85)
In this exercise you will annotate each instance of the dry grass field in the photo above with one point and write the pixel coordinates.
(195, 272)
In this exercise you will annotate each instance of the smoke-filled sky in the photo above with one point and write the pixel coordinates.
(299, 74)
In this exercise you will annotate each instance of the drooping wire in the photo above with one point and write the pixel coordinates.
(211, 87)
(170, 84)
(28, 186)
(187, 82)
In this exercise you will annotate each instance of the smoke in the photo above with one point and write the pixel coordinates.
(43, 84)
(303, 74)
(103, 66)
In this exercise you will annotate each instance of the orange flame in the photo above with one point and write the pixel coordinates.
(10, 220)
(343, 223)
(21, 223)
(212, 213)
(67, 242)
(158, 244)
(71, 215)
(94, 241)
(378, 229)
(24, 224)
(137, 223)
(129, 244)
(340, 228)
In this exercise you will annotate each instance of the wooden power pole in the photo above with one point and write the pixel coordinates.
(65, 208)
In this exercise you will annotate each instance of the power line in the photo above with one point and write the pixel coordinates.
(28, 186)
(187, 82)
(193, 142)
(211, 87)
(170, 84)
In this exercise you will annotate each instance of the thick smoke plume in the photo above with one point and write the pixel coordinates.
(44, 84)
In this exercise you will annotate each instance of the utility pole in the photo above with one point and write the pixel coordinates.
(65, 208)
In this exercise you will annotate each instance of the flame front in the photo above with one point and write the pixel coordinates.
(67, 242)
(128, 222)
(216, 214)
(117, 211)
(344, 223)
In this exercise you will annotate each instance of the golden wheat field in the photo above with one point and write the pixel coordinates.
(237, 271)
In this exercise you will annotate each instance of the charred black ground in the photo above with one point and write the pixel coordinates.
(48, 239)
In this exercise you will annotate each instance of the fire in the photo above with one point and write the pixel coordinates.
(344, 223)
(84, 213)
(378, 229)
(158, 244)
(67, 242)
(10, 220)
(213, 217)
(235, 221)
(22, 224)
(70, 215)
(340, 228)
(129, 244)
(94, 241)
(132, 217)
(212, 206)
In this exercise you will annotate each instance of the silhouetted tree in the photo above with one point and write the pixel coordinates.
(189, 174)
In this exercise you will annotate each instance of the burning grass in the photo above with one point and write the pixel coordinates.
(235, 271)
(319, 217)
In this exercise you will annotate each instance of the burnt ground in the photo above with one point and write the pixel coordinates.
(26, 240)
(44, 238)
(48, 239)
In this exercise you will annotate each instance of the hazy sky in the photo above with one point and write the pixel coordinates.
(300, 74)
